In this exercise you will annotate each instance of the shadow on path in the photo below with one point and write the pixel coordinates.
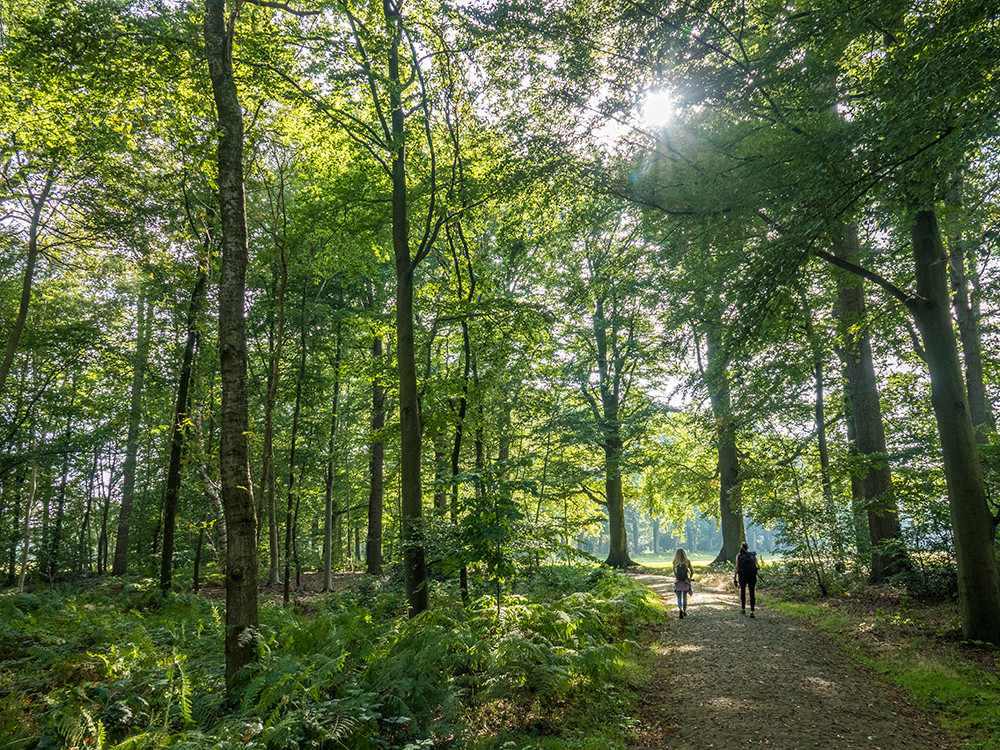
(724, 680)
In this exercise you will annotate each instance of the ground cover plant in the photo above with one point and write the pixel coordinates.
(99, 669)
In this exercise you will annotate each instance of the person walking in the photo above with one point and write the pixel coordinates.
(682, 580)
(745, 576)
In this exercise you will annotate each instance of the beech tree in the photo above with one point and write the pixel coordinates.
(234, 454)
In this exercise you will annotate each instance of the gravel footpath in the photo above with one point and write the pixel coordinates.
(724, 680)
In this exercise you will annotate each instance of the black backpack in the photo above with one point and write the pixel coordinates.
(682, 572)
(748, 564)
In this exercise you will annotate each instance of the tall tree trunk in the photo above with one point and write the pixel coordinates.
(730, 482)
(102, 539)
(972, 522)
(331, 469)
(55, 550)
(144, 324)
(234, 453)
(34, 228)
(463, 404)
(887, 549)
(267, 479)
(29, 504)
(411, 490)
(15, 529)
(171, 497)
(611, 441)
(290, 527)
(83, 548)
(376, 461)
(859, 511)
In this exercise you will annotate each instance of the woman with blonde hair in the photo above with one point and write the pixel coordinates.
(682, 580)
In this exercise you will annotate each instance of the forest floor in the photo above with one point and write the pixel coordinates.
(724, 680)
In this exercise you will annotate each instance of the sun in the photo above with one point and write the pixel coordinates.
(657, 108)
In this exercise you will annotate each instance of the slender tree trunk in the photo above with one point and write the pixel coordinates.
(290, 525)
(972, 522)
(83, 547)
(730, 482)
(331, 470)
(63, 487)
(143, 326)
(267, 479)
(373, 544)
(171, 497)
(34, 228)
(888, 552)
(414, 563)
(234, 453)
(102, 539)
(29, 504)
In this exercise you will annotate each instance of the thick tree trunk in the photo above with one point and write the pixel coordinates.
(607, 419)
(234, 454)
(411, 490)
(376, 462)
(972, 523)
(730, 482)
(888, 553)
(144, 315)
(859, 512)
(171, 498)
(618, 556)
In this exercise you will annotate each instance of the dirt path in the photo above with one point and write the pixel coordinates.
(727, 681)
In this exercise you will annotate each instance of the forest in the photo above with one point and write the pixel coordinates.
(358, 354)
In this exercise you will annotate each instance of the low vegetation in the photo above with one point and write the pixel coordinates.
(551, 668)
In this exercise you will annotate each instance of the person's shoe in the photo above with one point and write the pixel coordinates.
(743, 611)
(751, 613)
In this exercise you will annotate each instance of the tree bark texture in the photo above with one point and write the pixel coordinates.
(972, 523)
(888, 555)
(234, 453)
